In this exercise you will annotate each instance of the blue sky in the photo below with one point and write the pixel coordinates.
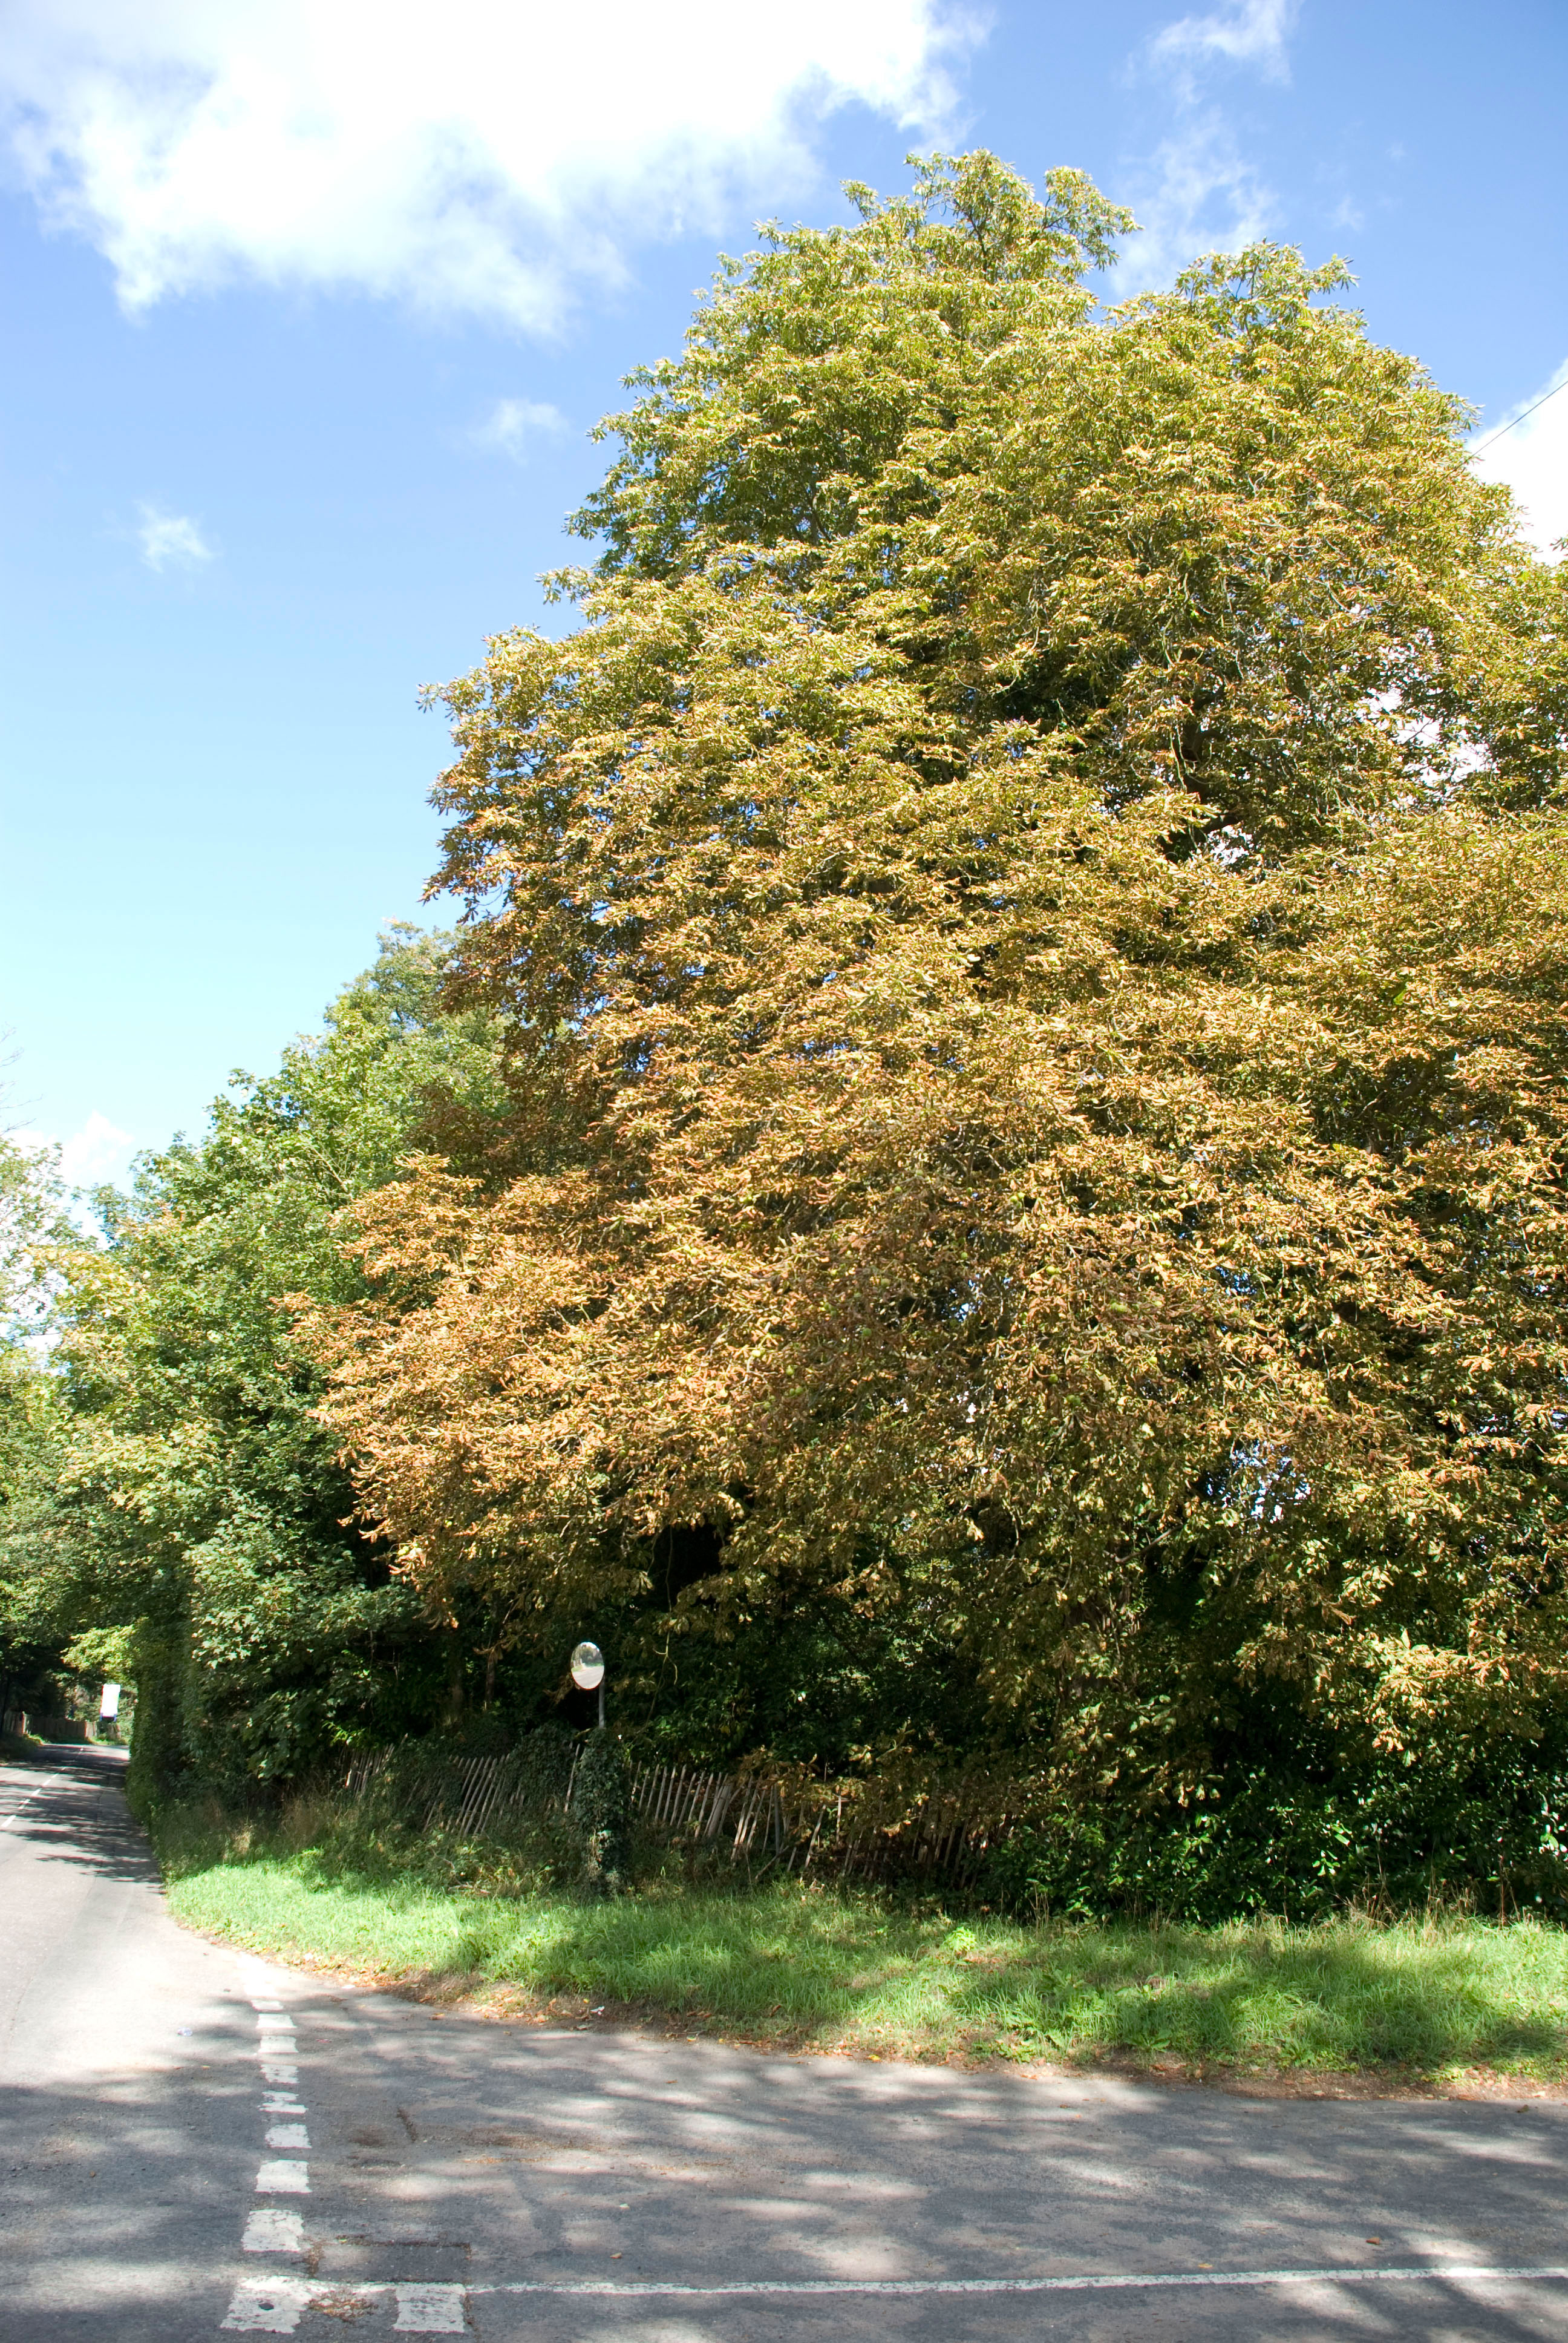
(309, 304)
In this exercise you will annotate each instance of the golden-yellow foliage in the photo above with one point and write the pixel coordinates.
(1033, 911)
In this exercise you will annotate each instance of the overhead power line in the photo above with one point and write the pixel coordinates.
(1503, 431)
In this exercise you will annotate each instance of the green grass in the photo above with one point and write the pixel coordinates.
(810, 1967)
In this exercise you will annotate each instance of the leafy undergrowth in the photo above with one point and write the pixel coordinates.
(807, 1965)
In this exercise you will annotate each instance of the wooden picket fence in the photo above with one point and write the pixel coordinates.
(864, 1830)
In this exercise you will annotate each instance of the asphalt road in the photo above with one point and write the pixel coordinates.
(194, 2143)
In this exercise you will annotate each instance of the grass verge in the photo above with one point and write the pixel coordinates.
(805, 1967)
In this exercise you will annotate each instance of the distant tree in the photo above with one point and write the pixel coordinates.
(33, 1227)
(1030, 919)
(190, 1490)
(32, 1221)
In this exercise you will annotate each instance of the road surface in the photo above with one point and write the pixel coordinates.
(196, 2143)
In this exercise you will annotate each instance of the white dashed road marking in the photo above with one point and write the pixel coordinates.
(274, 2305)
(281, 2175)
(17, 1809)
(430, 2310)
(270, 2230)
(269, 2306)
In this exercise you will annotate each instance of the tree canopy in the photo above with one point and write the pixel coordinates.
(31, 1225)
(180, 1482)
(1027, 918)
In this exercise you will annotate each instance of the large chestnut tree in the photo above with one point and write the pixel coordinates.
(1030, 911)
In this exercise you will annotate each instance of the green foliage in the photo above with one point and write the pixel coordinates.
(31, 1224)
(104, 1654)
(194, 1494)
(34, 1233)
(1489, 1827)
(601, 1809)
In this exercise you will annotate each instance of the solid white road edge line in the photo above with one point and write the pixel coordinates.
(1087, 2284)
(296, 2294)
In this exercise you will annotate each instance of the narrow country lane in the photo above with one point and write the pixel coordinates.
(127, 2121)
(197, 2143)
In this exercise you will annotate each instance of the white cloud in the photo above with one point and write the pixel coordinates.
(170, 538)
(1248, 33)
(514, 424)
(1202, 196)
(1532, 458)
(1199, 190)
(477, 159)
(96, 1153)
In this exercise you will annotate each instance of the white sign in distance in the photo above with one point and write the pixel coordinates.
(587, 1667)
(109, 1705)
